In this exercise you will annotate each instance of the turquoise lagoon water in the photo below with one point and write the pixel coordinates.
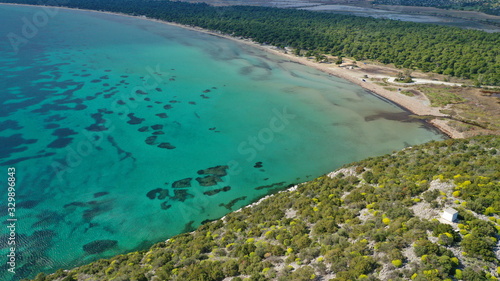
(112, 124)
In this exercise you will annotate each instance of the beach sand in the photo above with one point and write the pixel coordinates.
(417, 105)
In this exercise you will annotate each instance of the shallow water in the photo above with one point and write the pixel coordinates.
(112, 123)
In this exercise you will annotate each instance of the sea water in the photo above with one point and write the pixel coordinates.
(124, 132)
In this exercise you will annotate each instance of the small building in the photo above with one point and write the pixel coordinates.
(450, 214)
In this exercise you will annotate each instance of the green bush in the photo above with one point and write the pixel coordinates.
(430, 196)
(458, 274)
(397, 263)
(477, 246)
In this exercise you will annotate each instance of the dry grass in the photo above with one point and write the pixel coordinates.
(441, 96)
(409, 93)
(479, 113)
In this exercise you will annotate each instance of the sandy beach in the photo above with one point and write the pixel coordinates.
(360, 74)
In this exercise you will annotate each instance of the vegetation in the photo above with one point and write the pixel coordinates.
(476, 113)
(407, 93)
(404, 77)
(442, 96)
(392, 89)
(345, 226)
(468, 54)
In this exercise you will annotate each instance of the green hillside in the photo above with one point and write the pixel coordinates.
(378, 219)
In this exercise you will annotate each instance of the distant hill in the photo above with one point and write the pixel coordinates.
(377, 219)
(485, 6)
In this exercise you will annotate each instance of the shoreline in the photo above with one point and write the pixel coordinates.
(355, 76)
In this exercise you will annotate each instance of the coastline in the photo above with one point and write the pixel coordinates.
(420, 107)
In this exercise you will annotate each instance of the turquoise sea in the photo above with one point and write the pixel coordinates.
(124, 132)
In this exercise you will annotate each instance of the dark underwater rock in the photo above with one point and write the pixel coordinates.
(96, 208)
(152, 193)
(188, 227)
(157, 127)
(278, 184)
(76, 204)
(166, 145)
(181, 195)
(134, 120)
(60, 143)
(100, 194)
(162, 193)
(215, 191)
(28, 204)
(165, 205)
(230, 205)
(182, 183)
(207, 221)
(208, 180)
(258, 165)
(99, 246)
(217, 171)
(151, 140)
